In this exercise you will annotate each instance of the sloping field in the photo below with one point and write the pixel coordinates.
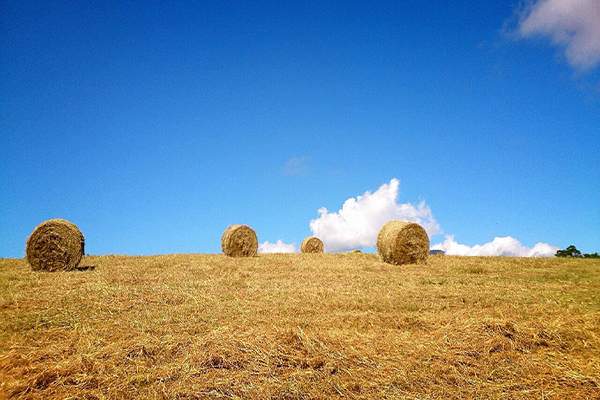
(300, 327)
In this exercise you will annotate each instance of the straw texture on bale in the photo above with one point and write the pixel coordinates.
(401, 242)
(239, 241)
(55, 245)
(312, 244)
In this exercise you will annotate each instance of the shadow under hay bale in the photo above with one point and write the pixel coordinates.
(312, 244)
(55, 245)
(85, 268)
(239, 241)
(401, 242)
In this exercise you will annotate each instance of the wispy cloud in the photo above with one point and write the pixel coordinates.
(572, 24)
(296, 166)
(500, 246)
(278, 247)
(359, 220)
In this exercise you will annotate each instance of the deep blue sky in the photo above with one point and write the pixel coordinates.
(153, 126)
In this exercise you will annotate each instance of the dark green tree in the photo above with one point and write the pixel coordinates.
(570, 251)
(593, 255)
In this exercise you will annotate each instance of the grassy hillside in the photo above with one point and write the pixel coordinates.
(301, 326)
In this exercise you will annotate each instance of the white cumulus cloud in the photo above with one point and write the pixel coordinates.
(500, 246)
(278, 247)
(572, 24)
(359, 220)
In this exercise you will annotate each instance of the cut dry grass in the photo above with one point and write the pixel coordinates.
(301, 326)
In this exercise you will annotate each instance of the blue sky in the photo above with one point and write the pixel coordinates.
(154, 125)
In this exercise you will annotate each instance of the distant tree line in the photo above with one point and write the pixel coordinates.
(572, 251)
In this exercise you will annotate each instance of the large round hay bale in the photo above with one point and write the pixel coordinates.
(239, 241)
(312, 244)
(401, 242)
(55, 245)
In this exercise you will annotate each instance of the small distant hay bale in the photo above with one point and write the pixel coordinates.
(55, 245)
(401, 242)
(312, 244)
(239, 241)
(356, 252)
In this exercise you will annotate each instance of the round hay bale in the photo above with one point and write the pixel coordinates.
(55, 245)
(356, 252)
(239, 241)
(312, 244)
(401, 242)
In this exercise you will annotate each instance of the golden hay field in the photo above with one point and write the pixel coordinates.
(301, 326)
